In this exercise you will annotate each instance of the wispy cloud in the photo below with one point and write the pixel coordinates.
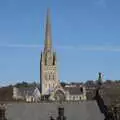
(101, 3)
(92, 48)
(20, 46)
(111, 48)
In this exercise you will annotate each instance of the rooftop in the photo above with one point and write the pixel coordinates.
(86, 110)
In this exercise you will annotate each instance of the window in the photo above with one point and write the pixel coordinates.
(49, 76)
(73, 97)
(49, 85)
(53, 77)
(45, 76)
(81, 89)
(77, 98)
(80, 97)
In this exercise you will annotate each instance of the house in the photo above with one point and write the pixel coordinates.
(28, 94)
(75, 93)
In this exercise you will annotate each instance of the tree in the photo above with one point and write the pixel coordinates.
(63, 84)
(23, 84)
(89, 83)
(108, 81)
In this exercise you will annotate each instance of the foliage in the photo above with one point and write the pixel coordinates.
(63, 84)
(25, 84)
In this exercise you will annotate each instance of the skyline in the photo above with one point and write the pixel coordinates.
(85, 35)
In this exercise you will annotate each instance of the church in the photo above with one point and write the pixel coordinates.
(50, 88)
(49, 80)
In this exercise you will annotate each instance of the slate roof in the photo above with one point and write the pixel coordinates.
(110, 94)
(86, 110)
(26, 91)
(74, 90)
(107, 100)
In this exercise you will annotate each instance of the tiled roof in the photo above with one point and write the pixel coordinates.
(26, 91)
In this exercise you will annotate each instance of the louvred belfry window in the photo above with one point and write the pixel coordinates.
(54, 60)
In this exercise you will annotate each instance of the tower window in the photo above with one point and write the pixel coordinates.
(80, 97)
(49, 76)
(49, 85)
(53, 60)
(45, 76)
(53, 76)
(45, 60)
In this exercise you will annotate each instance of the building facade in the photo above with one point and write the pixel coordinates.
(75, 93)
(26, 94)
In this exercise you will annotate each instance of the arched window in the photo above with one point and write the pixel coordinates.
(54, 60)
(49, 76)
(80, 97)
(45, 60)
(53, 77)
(45, 76)
(73, 97)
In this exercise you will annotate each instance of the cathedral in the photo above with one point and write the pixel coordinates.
(49, 81)
(50, 86)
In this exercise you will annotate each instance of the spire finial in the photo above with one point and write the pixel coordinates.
(48, 41)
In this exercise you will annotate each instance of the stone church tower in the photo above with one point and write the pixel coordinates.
(48, 63)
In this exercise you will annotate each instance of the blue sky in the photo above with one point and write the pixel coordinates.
(85, 34)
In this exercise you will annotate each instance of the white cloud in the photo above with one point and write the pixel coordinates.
(69, 47)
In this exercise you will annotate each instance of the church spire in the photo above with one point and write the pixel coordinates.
(48, 37)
